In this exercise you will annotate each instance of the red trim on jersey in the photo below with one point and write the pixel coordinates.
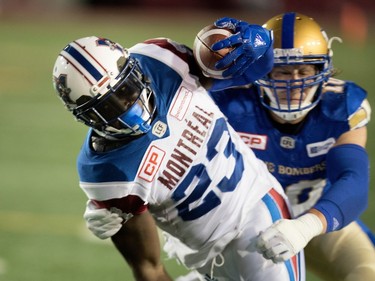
(182, 51)
(130, 204)
(171, 46)
(283, 207)
(295, 266)
(280, 201)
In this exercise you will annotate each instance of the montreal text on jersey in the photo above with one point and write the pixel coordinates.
(190, 141)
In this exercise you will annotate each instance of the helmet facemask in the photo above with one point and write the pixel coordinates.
(125, 110)
(292, 99)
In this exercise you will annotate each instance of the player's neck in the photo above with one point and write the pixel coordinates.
(101, 144)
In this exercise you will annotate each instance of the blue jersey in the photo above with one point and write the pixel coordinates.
(199, 179)
(296, 160)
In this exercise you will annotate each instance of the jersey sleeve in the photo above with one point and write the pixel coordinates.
(182, 51)
(130, 204)
(345, 101)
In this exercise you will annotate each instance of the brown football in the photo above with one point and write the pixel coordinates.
(204, 55)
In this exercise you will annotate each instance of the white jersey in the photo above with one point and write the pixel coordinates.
(200, 181)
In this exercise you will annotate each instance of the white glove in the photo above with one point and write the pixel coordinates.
(104, 223)
(285, 238)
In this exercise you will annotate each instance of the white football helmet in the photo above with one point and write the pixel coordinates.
(104, 87)
(298, 40)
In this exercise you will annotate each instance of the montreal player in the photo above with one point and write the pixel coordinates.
(160, 153)
(310, 130)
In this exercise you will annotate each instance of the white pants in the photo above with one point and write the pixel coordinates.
(239, 262)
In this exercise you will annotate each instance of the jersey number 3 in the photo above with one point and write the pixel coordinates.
(219, 144)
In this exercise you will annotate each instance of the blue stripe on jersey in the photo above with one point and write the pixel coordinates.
(287, 35)
(83, 61)
(273, 207)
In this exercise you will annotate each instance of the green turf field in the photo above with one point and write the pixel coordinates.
(42, 233)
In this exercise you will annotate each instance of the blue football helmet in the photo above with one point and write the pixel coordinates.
(104, 87)
(298, 41)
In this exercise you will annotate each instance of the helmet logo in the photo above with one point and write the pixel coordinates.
(62, 89)
(106, 42)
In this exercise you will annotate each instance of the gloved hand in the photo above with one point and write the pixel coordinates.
(285, 238)
(250, 42)
(104, 223)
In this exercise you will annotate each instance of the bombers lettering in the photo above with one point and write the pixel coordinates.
(293, 171)
(187, 146)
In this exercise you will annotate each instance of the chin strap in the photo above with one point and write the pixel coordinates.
(133, 119)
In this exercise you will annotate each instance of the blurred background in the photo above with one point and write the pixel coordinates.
(42, 233)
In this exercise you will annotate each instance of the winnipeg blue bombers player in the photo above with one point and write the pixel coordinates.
(310, 130)
(160, 152)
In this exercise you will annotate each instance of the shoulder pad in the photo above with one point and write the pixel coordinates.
(361, 117)
(235, 102)
(346, 101)
(178, 49)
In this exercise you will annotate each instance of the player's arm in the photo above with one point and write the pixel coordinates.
(357, 136)
(133, 231)
(354, 137)
(348, 173)
(347, 162)
(138, 242)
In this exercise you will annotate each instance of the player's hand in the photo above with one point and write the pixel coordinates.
(250, 42)
(102, 222)
(285, 238)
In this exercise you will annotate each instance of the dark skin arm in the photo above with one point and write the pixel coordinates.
(138, 242)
